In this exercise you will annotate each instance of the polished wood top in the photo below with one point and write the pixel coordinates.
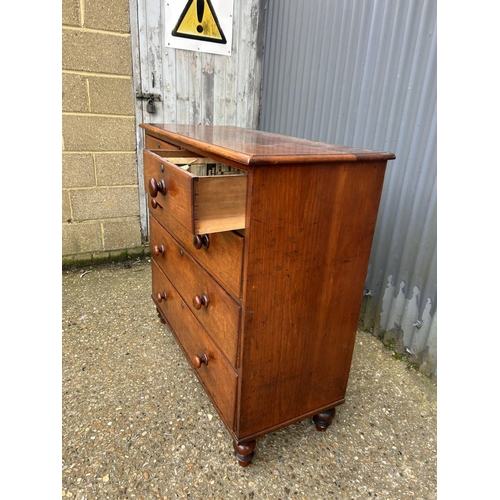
(254, 147)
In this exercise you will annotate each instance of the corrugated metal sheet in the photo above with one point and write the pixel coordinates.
(363, 73)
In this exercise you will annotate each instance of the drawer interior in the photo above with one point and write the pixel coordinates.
(196, 165)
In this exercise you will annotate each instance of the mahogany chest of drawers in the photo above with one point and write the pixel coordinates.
(260, 246)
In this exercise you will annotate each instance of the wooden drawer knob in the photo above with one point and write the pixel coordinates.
(157, 250)
(161, 296)
(157, 187)
(200, 301)
(200, 360)
(201, 241)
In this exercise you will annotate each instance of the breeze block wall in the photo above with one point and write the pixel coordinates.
(100, 201)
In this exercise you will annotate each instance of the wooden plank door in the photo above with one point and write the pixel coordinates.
(195, 87)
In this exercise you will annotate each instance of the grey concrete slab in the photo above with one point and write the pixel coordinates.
(136, 423)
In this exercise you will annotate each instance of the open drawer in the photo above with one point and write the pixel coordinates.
(205, 196)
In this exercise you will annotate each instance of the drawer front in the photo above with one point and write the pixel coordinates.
(170, 190)
(154, 143)
(202, 204)
(215, 373)
(209, 302)
(221, 255)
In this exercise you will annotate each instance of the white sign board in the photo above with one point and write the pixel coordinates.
(199, 25)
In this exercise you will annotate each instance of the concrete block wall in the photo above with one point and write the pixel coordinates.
(100, 199)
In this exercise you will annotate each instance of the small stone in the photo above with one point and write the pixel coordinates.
(105, 478)
(145, 474)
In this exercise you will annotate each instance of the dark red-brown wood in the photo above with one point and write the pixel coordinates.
(296, 273)
(307, 248)
(254, 147)
(216, 375)
(244, 452)
(222, 258)
(324, 419)
(209, 302)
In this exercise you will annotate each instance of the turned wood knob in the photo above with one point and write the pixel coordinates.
(157, 250)
(201, 240)
(201, 301)
(161, 296)
(154, 203)
(157, 187)
(200, 360)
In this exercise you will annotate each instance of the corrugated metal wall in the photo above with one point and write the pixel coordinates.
(363, 73)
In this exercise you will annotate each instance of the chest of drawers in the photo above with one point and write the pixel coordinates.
(260, 246)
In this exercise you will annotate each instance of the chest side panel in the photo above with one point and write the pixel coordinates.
(307, 249)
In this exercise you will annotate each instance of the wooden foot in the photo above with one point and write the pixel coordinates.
(160, 315)
(324, 419)
(244, 452)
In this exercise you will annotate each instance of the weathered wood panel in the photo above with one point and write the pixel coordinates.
(195, 87)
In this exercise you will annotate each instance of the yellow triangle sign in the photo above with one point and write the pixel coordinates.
(199, 22)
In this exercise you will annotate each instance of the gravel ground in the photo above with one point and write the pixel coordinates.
(136, 423)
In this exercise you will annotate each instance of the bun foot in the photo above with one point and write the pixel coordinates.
(324, 419)
(160, 315)
(244, 452)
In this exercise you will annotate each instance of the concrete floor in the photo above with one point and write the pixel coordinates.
(136, 423)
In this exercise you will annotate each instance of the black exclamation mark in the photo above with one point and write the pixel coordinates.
(200, 7)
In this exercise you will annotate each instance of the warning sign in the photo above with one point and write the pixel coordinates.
(201, 25)
(199, 21)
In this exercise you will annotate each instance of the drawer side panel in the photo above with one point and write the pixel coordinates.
(219, 203)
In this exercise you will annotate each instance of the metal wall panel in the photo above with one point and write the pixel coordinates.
(363, 73)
